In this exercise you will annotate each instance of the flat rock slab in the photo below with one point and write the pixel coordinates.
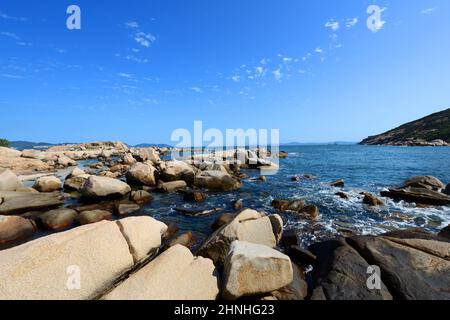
(418, 195)
(20, 202)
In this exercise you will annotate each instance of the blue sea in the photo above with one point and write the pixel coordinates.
(364, 168)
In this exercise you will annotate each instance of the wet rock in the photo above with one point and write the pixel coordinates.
(342, 195)
(15, 230)
(39, 270)
(289, 238)
(103, 187)
(173, 186)
(58, 219)
(418, 195)
(47, 184)
(301, 255)
(310, 212)
(141, 174)
(338, 183)
(420, 221)
(194, 196)
(124, 209)
(20, 202)
(296, 290)
(248, 225)
(143, 234)
(251, 269)
(87, 217)
(186, 239)
(222, 220)
(9, 181)
(196, 212)
(341, 274)
(216, 180)
(445, 233)
(427, 182)
(177, 170)
(288, 205)
(172, 229)
(309, 177)
(262, 178)
(238, 204)
(412, 269)
(174, 275)
(141, 197)
(372, 200)
(447, 190)
(295, 179)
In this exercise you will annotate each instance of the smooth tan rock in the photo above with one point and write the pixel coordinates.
(143, 235)
(172, 186)
(250, 226)
(87, 217)
(141, 197)
(216, 180)
(58, 219)
(23, 165)
(21, 202)
(177, 170)
(141, 174)
(76, 182)
(9, 153)
(47, 184)
(14, 229)
(174, 275)
(102, 187)
(43, 268)
(9, 181)
(252, 269)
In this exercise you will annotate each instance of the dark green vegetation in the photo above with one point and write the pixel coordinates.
(432, 127)
(4, 143)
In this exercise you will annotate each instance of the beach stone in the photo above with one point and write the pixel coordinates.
(76, 182)
(27, 190)
(296, 290)
(58, 219)
(427, 182)
(341, 274)
(194, 196)
(21, 202)
(173, 186)
(310, 212)
(146, 154)
(14, 230)
(222, 220)
(412, 269)
(44, 268)
(172, 229)
(186, 239)
(143, 235)
(445, 233)
(103, 187)
(338, 183)
(238, 204)
(24, 165)
(251, 269)
(47, 184)
(372, 200)
(217, 180)
(418, 195)
(128, 159)
(141, 197)
(124, 209)
(9, 181)
(9, 153)
(250, 226)
(289, 205)
(342, 195)
(174, 275)
(141, 174)
(177, 170)
(75, 173)
(87, 217)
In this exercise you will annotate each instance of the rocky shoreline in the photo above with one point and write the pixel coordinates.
(249, 254)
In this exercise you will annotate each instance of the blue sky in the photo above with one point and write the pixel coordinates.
(137, 70)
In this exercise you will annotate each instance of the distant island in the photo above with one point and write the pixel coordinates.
(433, 130)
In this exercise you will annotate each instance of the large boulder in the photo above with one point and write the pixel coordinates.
(47, 184)
(58, 219)
(296, 290)
(418, 195)
(177, 170)
(75, 182)
(341, 274)
(24, 165)
(14, 230)
(147, 154)
(216, 180)
(143, 235)
(173, 186)
(9, 153)
(21, 202)
(427, 182)
(174, 275)
(141, 197)
(248, 225)
(93, 216)
(103, 187)
(251, 269)
(141, 174)
(9, 181)
(78, 264)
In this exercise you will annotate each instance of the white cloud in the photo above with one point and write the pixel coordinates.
(277, 74)
(196, 89)
(428, 11)
(136, 59)
(236, 78)
(351, 22)
(11, 76)
(132, 24)
(333, 25)
(124, 75)
(7, 17)
(144, 39)
(264, 61)
(10, 35)
(318, 50)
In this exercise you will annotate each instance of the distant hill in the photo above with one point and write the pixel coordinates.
(148, 145)
(422, 132)
(21, 145)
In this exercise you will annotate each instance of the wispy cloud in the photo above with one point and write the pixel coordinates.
(144, 39)
(196, 89)
(12, 76)
(351, 22)
(10, 35)
(428, 11)
(277, 74)
(136, 59)
(318, 50)
(333, 25)
(8, 17)
(132, 24)
(125, 75)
